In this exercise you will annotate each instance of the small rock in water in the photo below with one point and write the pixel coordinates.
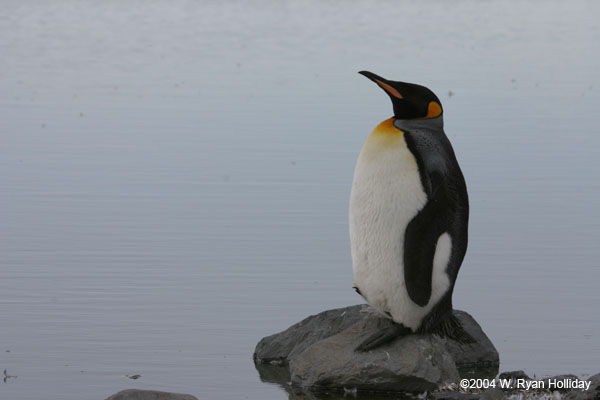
(133, 376)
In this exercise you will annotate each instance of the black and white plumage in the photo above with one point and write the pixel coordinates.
(409, 214)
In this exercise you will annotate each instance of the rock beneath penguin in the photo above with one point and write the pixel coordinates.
(320, 354)
(135, 394)
(415, 363)
(474, 360)
(279, 348)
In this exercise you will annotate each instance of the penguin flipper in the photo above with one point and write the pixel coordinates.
(424, 230)
(420, 241)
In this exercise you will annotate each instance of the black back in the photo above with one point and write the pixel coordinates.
(446, 210)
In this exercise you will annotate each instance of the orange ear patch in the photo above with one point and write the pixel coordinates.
(434, 110)
(392, 91)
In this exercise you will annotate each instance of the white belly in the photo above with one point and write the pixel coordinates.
(386, 195)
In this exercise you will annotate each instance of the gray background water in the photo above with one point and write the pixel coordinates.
(174, 179)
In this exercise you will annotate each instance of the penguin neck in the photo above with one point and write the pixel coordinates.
(418, 124)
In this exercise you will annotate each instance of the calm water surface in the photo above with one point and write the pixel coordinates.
(174, 179)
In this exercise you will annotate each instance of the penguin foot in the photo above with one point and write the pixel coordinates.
(451, 328)
(382, 337)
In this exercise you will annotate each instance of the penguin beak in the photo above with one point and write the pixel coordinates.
(383, 83)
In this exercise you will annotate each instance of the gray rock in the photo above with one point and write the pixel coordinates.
(279, 348)
(492, 394)
(450, 395)
(136, 394)
(593, 393)
(474, 360)
(559, 378)
(319, 352)
(273, 373)
(414, 363)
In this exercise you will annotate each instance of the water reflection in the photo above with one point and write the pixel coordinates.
(279, 375)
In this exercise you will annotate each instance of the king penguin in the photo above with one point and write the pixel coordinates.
(408, 218)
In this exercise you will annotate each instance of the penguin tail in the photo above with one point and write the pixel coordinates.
(451, 328)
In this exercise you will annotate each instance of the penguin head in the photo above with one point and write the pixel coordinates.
(411, 101)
